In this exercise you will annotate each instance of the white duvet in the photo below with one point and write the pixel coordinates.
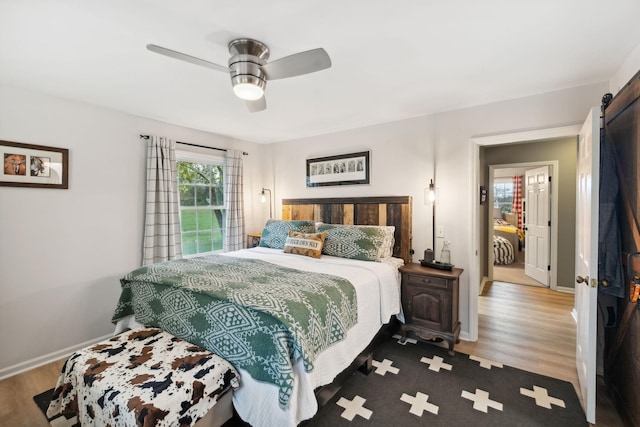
(377, 287)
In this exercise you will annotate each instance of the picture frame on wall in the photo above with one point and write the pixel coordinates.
(36, 166)
(483, 195)
(343, 169)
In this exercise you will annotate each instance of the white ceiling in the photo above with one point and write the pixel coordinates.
(391, 59)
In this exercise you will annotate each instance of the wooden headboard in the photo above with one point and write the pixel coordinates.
(393, 210)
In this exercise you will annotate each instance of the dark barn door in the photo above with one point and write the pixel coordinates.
(622, 354)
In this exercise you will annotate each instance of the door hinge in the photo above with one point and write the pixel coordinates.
(548, 268)
(549, 223)
(549, 179)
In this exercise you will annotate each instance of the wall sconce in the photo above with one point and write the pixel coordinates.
(263, 199)
(431, 192)
(430, 199)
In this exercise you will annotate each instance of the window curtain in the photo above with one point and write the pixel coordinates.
(516, 204)
(162, 240)
(233, 194)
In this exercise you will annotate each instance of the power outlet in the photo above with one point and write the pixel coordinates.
(440, 232)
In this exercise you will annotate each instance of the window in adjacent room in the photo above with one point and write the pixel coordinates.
(202, 214)
(503, 194)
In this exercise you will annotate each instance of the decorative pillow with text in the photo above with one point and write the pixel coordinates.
(308, 244)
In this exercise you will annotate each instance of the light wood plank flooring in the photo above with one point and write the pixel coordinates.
(531, 328)
(522, 326)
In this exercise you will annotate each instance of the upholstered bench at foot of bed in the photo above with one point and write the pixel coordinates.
(145, 377)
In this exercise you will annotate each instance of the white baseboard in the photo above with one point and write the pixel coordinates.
(566, 289)
(464, 336)
(47, 358)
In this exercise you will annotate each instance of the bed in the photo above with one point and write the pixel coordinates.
(503, 253)
(505, 228)
(283, 371)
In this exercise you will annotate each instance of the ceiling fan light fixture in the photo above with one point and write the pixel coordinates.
(249, 69)
(249, 90)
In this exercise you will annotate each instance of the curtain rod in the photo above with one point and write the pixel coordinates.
(244, 153)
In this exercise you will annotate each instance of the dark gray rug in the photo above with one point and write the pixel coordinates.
(421, 384)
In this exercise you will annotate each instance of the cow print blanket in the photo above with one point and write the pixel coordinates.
(141, 377)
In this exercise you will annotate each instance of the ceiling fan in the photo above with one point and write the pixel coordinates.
(250, 70)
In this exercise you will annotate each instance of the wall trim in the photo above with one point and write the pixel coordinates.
(474, 167)
(27, 365)
(530, 135)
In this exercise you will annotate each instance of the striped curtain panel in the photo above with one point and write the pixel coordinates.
(162, 240)
(233, 195)
(516, 206)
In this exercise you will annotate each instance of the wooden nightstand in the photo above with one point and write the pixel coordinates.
(430, 303)
(253, 240)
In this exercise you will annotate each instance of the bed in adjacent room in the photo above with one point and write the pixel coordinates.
(506, 228)
(247, 306)
(503, 253)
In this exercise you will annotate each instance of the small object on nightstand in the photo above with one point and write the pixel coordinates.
(436, 264)
(445, 253)
(253, 240)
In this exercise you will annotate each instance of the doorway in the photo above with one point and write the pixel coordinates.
(562, 278)
(520, 228)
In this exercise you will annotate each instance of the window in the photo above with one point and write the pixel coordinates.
(503, 194)
(202, 214)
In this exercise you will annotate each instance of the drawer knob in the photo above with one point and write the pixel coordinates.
(425, 280)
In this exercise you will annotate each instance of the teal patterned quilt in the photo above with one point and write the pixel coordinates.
(259, 316)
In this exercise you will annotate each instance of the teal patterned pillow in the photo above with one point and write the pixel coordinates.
(367, 243)
(276, 231)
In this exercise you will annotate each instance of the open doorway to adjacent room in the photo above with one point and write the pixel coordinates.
(520, 233)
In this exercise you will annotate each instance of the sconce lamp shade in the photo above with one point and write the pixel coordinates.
(263, 199)
(430, 194)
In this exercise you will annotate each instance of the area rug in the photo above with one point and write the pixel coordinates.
(419, 383)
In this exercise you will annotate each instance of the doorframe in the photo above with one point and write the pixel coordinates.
(474, 166)
(553, 236)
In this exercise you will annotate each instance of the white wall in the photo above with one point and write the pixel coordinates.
(402, 156)
(62, 252)
(627, 70)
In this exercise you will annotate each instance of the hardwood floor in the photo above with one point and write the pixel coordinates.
(17, 408)
(526, 327)
(531, 328)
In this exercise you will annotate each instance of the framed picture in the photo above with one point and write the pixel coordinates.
(27, 165)
(344, 169)
(483, 194)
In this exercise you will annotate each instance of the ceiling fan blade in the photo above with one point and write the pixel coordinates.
(257, 105)
(297, 64)
(187, 58)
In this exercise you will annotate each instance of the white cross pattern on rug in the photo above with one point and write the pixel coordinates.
(436, 363)
(384, 367)
(419, 403)
(354, 407)
(408, 340)
(542, 397)
(481, 401)
(485, 363)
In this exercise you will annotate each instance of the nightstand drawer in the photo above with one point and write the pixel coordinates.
(436, 282)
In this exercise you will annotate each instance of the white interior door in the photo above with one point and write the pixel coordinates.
(536, 227)
(586, 295)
